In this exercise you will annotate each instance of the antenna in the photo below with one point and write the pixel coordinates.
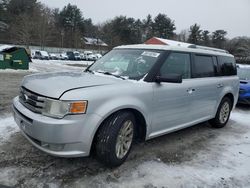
(207, 48)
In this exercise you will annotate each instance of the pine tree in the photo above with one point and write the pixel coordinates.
(195, 34)
(219, 38)
(163, 27)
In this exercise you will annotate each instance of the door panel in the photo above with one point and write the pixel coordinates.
(171, 105)
(207, 86)
(172, 100)
(204, 100)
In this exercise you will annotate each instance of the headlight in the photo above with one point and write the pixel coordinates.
(58, 109)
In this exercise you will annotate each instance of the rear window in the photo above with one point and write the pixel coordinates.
(226, 66)
(203, 66)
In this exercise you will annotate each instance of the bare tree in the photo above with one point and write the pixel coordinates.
(23, 30)
(183, 35)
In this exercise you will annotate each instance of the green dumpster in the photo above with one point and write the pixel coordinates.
(12, 57)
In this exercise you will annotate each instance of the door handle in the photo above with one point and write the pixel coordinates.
(190, 90)
(220, 85)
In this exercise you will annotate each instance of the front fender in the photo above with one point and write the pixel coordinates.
(114, 105)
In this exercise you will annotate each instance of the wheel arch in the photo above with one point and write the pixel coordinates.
(230, 96)
(141, 128)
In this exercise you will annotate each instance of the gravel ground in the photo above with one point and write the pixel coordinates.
(199, 156)
(9, 84)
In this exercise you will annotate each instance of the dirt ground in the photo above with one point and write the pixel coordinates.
(199, 156)
(9, 88)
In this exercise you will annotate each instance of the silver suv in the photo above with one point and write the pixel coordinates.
(134, 92)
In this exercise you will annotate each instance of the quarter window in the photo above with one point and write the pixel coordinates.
(227, 66)
(204, 66)
(177, 63)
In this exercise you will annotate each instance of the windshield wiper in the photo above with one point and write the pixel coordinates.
(88, 70)
(108, 73)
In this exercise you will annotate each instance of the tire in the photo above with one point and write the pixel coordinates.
(223, 113)
(115, 138)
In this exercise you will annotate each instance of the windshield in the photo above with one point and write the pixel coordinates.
(244, 74)
(128, 63)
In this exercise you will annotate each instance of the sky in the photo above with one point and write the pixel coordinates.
(230, 15)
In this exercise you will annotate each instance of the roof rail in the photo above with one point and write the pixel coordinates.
(207, 48)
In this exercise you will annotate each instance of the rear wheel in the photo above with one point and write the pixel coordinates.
(115, 138)
(223, 113)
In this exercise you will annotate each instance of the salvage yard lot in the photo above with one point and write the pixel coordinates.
(199, 156)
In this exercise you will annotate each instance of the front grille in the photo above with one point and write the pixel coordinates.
(32, 101)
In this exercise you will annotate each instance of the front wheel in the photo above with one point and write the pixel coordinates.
(223, 113)
(115, 138)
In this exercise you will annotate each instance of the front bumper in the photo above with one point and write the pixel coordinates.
(68, 137)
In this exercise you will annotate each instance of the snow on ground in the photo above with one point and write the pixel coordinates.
(244, 65)
(52, 65)
(7, 128)
(232, 164)
(57, 65)
(62, 62)
(226, 162)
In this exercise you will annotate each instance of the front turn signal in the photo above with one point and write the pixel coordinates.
(78, 107)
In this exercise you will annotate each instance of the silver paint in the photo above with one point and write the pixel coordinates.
(166, 107)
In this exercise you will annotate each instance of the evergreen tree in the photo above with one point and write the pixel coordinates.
(163, 27)
(219, 38)
(71, 20)
(147, 28)
(205, 38)
(195, 34)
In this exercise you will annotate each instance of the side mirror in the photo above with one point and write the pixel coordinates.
(171, 78)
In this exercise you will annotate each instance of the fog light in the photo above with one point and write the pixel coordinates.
(54, 147)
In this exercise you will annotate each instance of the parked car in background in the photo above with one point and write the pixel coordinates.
(244, 93)
(73, 55)
(77, 55)
(134, 92)
(98, 56)
(92, 57)
(70, 55)
(87, 55)
(43, 55)
(53, 56)
(63, 56)
(82, 56)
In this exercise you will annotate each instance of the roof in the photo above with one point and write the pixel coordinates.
(94, 41)
(156, 40)
(173, 48)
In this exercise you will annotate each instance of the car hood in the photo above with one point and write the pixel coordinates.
(55, 84)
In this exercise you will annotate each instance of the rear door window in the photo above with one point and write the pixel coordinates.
(203, 66)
